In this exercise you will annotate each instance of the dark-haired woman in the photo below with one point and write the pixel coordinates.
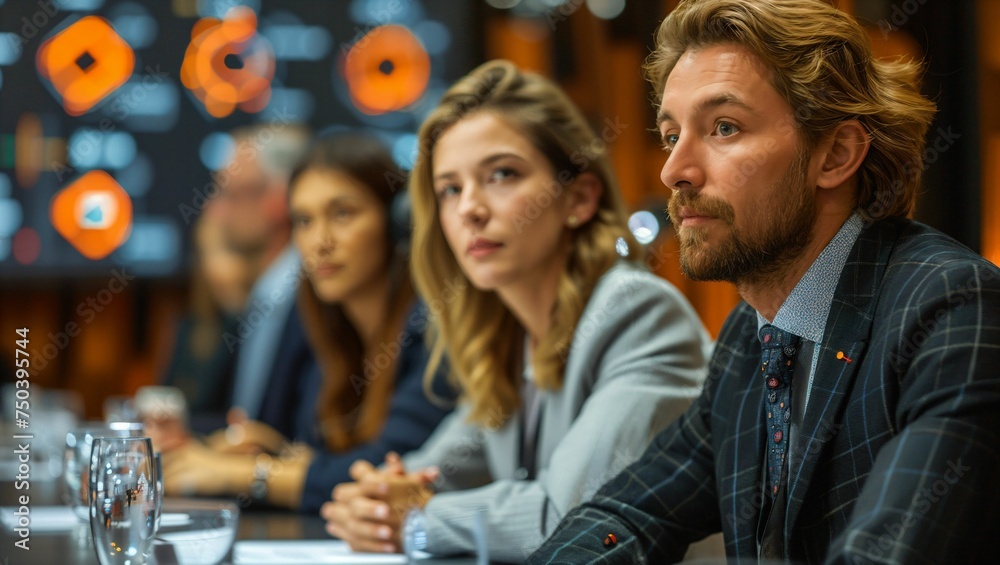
(366, 397)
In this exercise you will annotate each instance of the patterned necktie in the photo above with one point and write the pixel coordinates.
(778, 350)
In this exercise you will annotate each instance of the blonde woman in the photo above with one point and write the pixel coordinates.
(569, 358)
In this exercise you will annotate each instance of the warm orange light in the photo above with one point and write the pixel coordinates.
(991, 201)
(386, 70)
(29, 145)
(94, 214)
(227, 65)
(85, 63)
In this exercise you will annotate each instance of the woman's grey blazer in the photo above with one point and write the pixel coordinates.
(637, 361)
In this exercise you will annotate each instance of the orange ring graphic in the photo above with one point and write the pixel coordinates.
(386, 70)
(228, 65)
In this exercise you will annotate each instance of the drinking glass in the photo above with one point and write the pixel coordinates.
(158, 461)
(78, 446)
(123, 500)
(200, 532)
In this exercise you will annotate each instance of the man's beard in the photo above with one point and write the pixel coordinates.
(780, 231)
(243, 245)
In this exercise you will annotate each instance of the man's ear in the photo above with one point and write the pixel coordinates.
(583, 197)
(842, 154)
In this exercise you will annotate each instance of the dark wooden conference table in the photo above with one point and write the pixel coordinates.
(74, 547)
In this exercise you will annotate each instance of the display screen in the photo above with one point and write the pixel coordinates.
(113, 113)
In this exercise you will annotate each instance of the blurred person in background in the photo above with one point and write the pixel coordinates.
(253, 211)
(265, 342)
(202, 364)
(365, 397)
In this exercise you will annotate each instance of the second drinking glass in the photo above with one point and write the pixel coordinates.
(124, 501)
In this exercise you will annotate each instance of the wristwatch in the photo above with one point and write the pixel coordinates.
(258, 483)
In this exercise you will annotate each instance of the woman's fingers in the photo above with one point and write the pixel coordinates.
(394, 464)
(360, 469)
(360, 534)
(236, 416)
(326, 510)
(375, 511)
(346, 491)
(429, 475)
(337, 517)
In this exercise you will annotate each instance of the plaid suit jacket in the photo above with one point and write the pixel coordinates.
(900, 446)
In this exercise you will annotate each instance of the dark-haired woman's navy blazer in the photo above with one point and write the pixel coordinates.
(411, 419)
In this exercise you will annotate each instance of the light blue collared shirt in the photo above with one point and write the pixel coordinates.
(271, 302)
(805, 311)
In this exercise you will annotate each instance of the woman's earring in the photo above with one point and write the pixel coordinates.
(571, 221)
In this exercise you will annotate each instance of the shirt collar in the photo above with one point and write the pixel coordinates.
(807, 307)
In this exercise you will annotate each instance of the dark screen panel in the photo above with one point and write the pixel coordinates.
(62, 156)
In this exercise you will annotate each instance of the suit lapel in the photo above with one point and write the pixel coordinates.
(847, 330)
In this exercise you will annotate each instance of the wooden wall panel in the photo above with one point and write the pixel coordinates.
(527, 43)
(96, 353)
(991, 198)
(989, 93)
(37, 312)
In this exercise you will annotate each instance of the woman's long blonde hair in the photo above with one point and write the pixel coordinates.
(481, 337)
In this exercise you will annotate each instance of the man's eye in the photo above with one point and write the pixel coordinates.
(669, 141)
(726, 129)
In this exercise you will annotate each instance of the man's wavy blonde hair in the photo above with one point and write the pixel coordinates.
(481, 337)
(821, 63)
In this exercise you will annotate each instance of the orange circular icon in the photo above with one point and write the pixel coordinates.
(386, 70)
(94, 214)
(85, 63)
(228, 65)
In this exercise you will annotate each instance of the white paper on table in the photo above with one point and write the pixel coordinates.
(174, 519)
(319, 552)
(43, 518)
(48, 519)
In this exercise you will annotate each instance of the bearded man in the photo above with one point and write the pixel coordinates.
(852, 410)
